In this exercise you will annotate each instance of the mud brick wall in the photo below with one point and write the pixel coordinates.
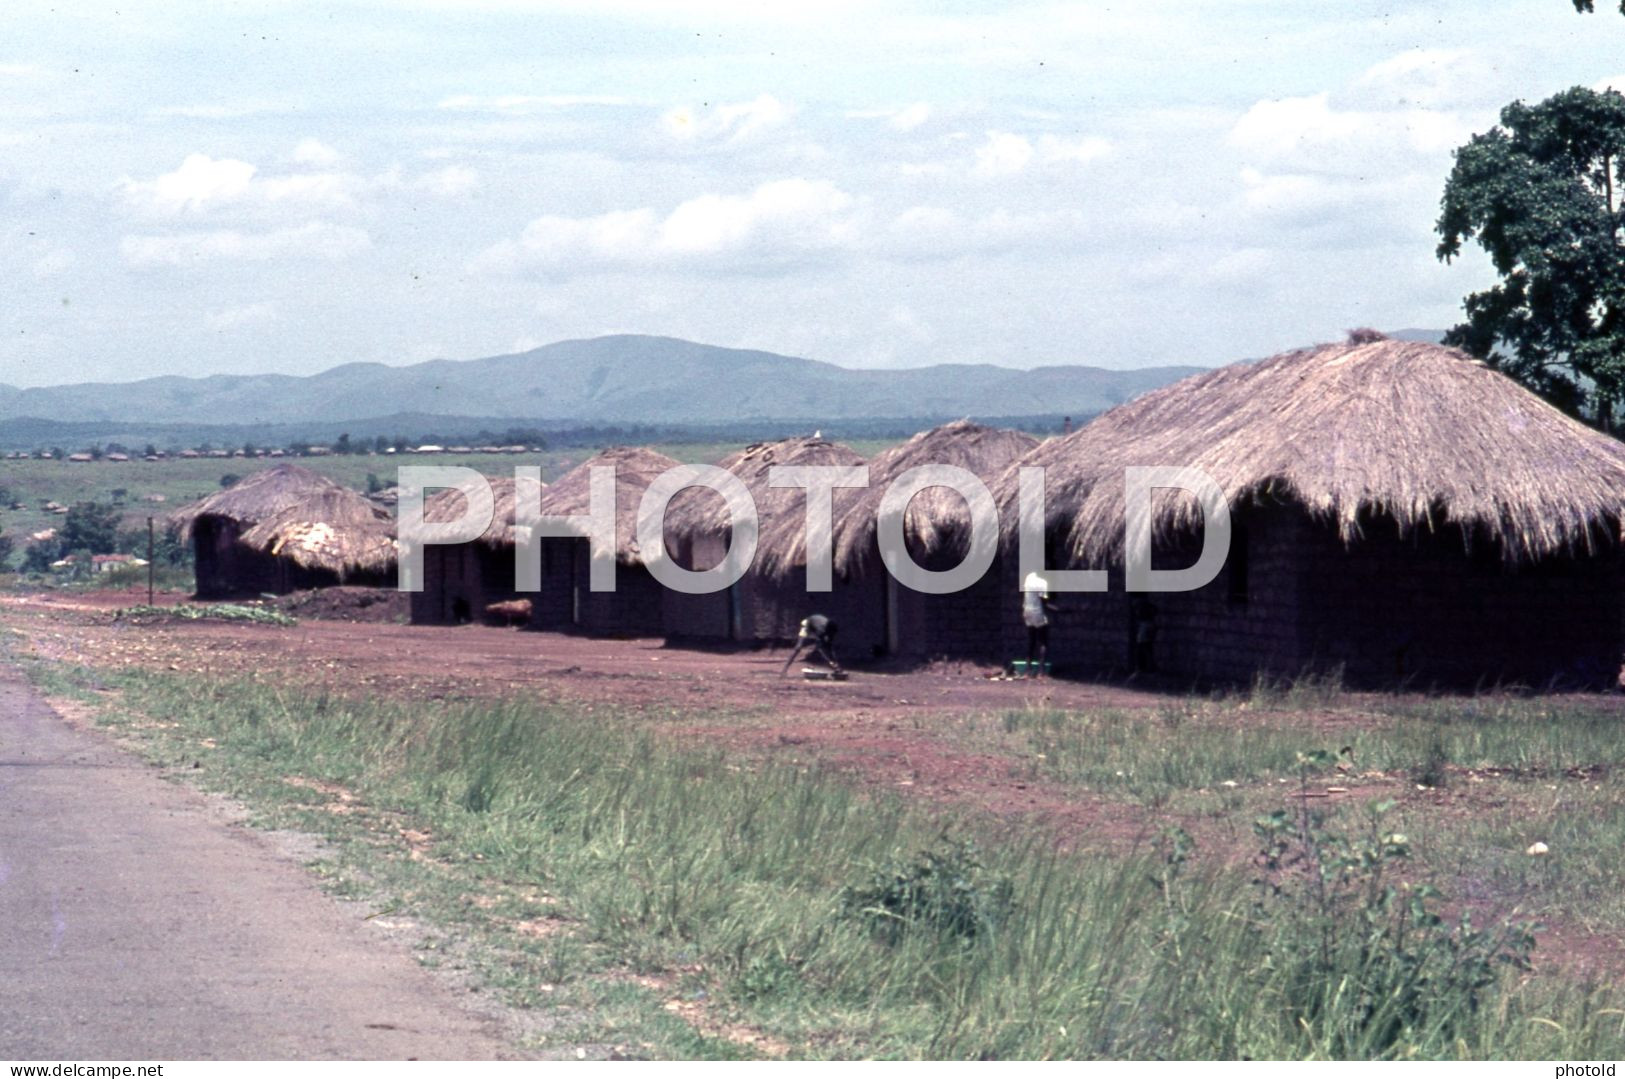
(450, 585)
(957, 625)
(1223, 632)
(699, 617)
(1089, 635)
(552, 606)
(1423, 610)
(633, 609)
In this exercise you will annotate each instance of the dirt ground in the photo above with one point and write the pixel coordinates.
(883, 724)
(897, 729)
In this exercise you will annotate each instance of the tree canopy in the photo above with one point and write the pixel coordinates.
(1589, 5)
(1540, 193)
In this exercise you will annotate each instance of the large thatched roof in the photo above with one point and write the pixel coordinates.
(295, 513)
(448, 505)
(701, 512)
(1419, 433)
(937, 518)
(635, 468)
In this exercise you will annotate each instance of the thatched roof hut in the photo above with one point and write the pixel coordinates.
(448, 504)
(467, 581)
(696, 512)
(635, 469)
(293, 513)
(937, 520)
(1374, 427)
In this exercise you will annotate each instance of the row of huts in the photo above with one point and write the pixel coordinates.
(1401, 513)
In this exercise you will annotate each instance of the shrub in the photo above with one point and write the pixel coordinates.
(1364, 963)
(946, 890)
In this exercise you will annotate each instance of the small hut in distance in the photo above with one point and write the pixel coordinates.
(565, 599)
(462, 580)
(759, 606)
(285, 529)
(893, 619)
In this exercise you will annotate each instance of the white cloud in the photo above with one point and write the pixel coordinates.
(204, 185)
(1005, 154)
(254, 314)
(315, 152)
(1613, 82)
(18, 71)
(732, 123)
(53, 263)
(928, 233)
(905, 119)
(1090, 148)
(524, 104)
(1319, 136)
(451, 181)
(1423, 78)
(911, 117)
(233, 111)
(199, 181)
(313, 240)
(780, 222)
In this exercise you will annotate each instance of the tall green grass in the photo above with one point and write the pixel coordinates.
(682, 858)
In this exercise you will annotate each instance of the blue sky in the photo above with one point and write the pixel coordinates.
(287, 186)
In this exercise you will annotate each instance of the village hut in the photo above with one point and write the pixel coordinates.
(936, 523)
(566, 599)
(1402, 514)
(473, 581)
(284, 529)
(761, 606)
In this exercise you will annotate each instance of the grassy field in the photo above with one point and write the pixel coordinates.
(158, 487)
(664, 900)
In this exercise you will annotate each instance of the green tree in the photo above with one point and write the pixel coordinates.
(1541, 194)
(39, 556)
(90, 526)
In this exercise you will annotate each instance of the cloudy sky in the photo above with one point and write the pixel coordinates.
(275, 185)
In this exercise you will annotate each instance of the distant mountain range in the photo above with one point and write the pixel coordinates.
(621, 380)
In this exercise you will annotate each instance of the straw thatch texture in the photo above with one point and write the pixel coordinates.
(294, 513)
(696, 512)
(1419, 433)
(448, 505)
(635, 469)
(937, 519)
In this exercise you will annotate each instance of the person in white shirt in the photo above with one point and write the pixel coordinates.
(1036, 609)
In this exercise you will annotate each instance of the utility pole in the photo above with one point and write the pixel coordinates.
(149, 562)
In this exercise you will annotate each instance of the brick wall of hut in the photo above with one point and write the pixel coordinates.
(1423, 610)
(707, 617)
(552, 606)
(460, 580)
(1292, 599)
(1247, 620)
(770, 611)
(633, 609)
(958, 625)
